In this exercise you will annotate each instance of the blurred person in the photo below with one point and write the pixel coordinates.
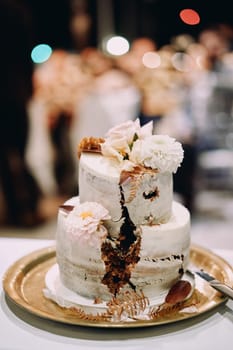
(217, 45)
(226, 29)
(158, 88)
(80, 24)
(141, 45)
(181, 42)
(59, 84)
(131, 62)
(205, 84)
(95, 61)
(20, 191)
(111, 98)
(208, 100)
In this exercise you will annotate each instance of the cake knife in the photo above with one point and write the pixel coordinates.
(213, 282)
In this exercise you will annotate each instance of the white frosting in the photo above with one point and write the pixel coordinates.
(163, 255)
(99, 179)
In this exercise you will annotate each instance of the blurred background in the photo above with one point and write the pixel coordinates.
(75, 68)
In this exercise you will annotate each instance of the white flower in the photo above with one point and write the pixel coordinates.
(120, 139)
(158, 152)
(85, 223)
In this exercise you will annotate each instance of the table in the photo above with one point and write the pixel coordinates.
(20, 330)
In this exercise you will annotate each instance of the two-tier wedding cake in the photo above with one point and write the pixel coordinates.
(124, 231)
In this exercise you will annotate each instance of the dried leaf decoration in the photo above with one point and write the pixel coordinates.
(82, 315)
(135, 306)
(90, 144)
(134, 177)
(166, 310)
(66, 208)
(127, 304)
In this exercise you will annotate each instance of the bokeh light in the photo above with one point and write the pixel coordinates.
(41, 53)
(151, 60)
(117, 45)
(190, 16)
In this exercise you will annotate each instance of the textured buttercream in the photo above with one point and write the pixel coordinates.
(163, 257)
(148, 195)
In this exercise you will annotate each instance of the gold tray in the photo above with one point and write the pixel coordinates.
(23, 284)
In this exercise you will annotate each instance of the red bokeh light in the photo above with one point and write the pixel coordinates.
(190, 16)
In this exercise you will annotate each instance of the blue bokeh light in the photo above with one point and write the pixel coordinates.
(41, 53)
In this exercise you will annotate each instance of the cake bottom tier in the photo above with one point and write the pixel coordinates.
(164, 255)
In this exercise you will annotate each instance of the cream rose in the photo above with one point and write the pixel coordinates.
(120, 139)
(85, 223)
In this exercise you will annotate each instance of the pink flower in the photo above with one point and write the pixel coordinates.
(120, 139)
(85, 223)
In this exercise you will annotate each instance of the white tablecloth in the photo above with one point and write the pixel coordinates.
(20, 330)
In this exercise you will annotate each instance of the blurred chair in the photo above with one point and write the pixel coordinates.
(216, 169)
(215, 161)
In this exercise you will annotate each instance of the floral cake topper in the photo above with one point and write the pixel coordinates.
(131, 145)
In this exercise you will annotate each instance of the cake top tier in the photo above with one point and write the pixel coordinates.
(130, 145)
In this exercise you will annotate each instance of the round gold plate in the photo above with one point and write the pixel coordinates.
(23, 284)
